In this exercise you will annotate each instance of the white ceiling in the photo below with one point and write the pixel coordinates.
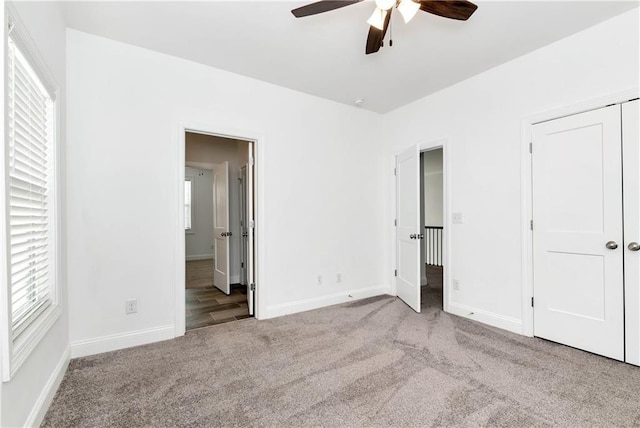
(323, 55)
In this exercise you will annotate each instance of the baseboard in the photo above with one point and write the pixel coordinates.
(234, 279)
(194, 257)
(113, 342)
(320, 302)
(45, 398)
(506, 323)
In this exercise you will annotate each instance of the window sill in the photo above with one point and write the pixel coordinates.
(29, 339)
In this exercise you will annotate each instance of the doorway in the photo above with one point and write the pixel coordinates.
(585, 224)
(432, 226)
(421, 235)
(218, 210)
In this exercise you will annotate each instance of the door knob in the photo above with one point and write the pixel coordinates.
(612, 245)
(420, 236)
(634, 246)
(412, 236)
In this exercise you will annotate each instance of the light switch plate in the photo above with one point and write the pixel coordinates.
(457, 218)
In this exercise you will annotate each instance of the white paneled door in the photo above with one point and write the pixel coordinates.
(631, 151)
(578, 243)
(408, 227)
(221, 230)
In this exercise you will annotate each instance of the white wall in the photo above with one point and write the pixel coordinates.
(25, 398)
(320, 191)
(199, 240)
(211, 149)
(433, 181)
(481, 119)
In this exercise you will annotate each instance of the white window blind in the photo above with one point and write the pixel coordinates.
(187, 203)
(30, 185)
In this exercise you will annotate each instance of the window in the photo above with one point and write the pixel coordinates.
(188, 203)
(29, 167)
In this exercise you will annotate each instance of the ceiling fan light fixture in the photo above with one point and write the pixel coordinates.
(385, 4)
(408, 9)
(377, 18)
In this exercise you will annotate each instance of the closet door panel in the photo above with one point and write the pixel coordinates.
(577, 233)
(631, 184)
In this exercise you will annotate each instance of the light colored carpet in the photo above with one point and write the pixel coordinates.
(373, 362)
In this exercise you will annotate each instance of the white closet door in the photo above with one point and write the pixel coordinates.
(631, 182)
(577, 237)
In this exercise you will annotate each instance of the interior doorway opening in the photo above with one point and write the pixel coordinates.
(432, 228)
(219, 224)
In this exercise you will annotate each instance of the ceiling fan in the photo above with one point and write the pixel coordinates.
(379, 20)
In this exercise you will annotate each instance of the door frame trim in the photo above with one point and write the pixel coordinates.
(526, 182)
(218, 130)
(442, 143)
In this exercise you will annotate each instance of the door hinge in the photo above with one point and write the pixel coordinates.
(241, 264)
(531, 224)
(395, 272)
(252, 161)
(531, 148)
(532, 302)
(395, 222)
(252, 287)
(395, 172)
(252, 224)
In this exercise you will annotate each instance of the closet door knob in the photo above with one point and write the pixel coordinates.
(612, 245)
(634, 246)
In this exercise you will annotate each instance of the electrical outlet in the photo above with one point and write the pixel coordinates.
(131, 306)
(338, 277)
(319, 280)
(456, 284)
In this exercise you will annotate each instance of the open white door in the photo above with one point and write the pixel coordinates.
(631, 149)
(408, 227)
(250, 241)
(577, 231)
(244, 233)
(221, 233)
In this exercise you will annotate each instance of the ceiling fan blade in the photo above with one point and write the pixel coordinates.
(453, 9)
(375, 37)
(321, 6)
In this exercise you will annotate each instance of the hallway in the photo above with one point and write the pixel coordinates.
(205, 304)
(431, 294)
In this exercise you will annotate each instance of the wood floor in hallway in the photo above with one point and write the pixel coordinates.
(431, 293)
(205, 304)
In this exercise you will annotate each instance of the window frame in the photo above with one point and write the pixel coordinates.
(16, 351)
